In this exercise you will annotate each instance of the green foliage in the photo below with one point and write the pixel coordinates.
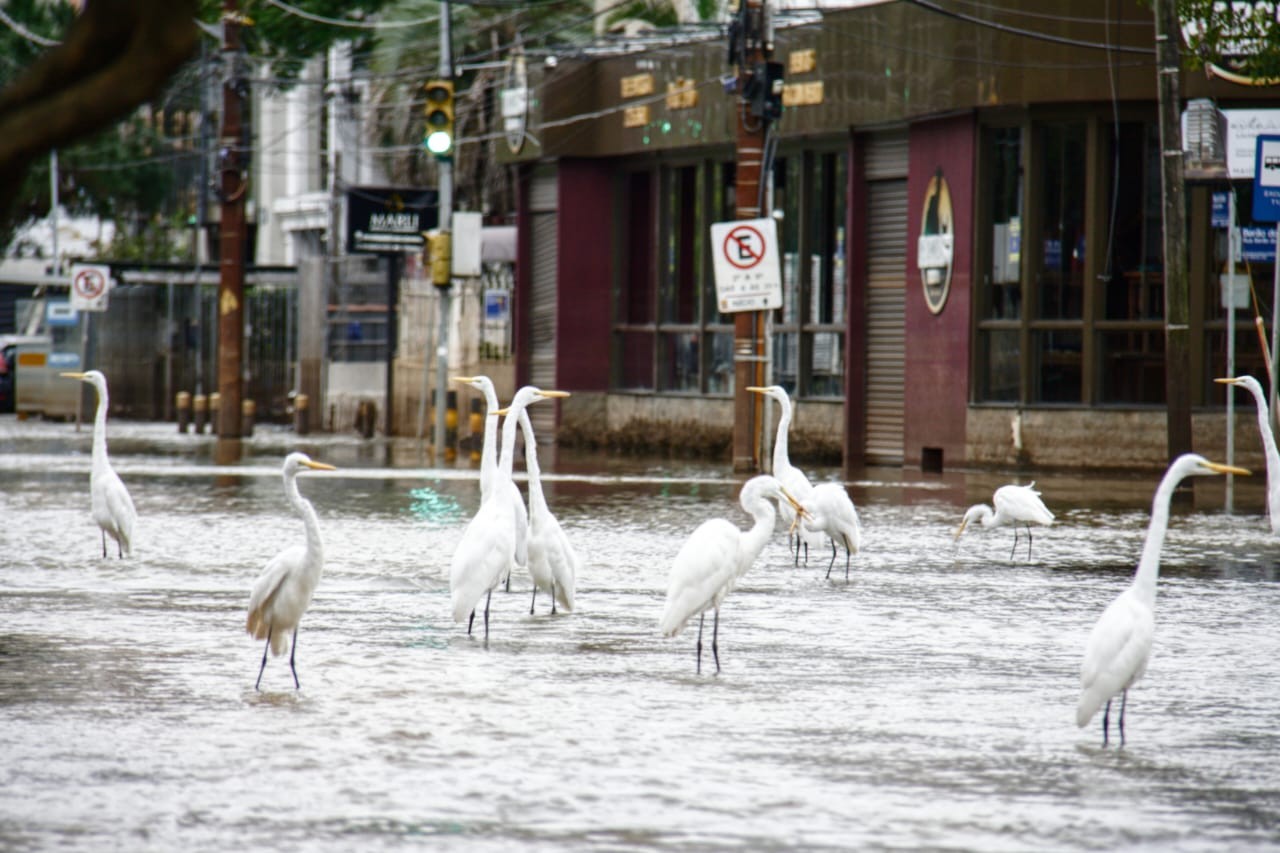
(1242, 37)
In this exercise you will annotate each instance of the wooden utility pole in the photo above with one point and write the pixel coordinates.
(748, 45)
(233, 183)
(1177, 308)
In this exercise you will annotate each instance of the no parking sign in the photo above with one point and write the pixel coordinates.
(748, 275)
(90, 284)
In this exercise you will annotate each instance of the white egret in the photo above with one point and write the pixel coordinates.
(832, 512)
(1120, 643)
(715, 555)
(789, 475)
(489, 470)
(553, 562)
(283, 591)
(1268, 445)
(1014, 505)
(485, 552)
(110, 501)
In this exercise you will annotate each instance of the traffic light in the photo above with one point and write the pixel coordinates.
(439, 112)
(764, 90)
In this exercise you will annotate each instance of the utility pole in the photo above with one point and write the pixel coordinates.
(444, 224)
(233, 183)
(750, 47)
(1177, 308)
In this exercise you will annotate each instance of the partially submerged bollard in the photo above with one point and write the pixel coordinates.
(200, 411)
(301, 411)
(182, 406)
(366, 418)
(247, 410)
(451, 425)
(476, 423)
(215, 405)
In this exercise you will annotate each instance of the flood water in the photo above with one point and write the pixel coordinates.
(928, 702)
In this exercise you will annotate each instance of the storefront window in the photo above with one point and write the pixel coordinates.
(1060, 234)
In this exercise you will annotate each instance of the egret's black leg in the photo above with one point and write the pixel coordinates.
(471, 621)
(793, 545)
(535, 598)
(1124, 700)
(104, 544)
(293, 650)
(1028, 541)
(553, 598)
(1106, 715)
(848, 554)
(806, 552)
(1014, 550)
(715, 634)
(488, 596)
(701, 619)
(508, 583)
(833, 558)
(257, 685)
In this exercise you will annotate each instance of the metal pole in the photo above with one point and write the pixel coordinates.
(444, 224)
(53, 204)
(1275, 331)
(1231, 344)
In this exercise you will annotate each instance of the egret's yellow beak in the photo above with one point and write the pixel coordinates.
(73, 375)
(1219, 468)
(961, 528)
(319, 466)
(1227, 380)
(801, 512)
(757, 389)
(553, 393)
(463, 378)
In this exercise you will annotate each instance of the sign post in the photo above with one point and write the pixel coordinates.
(748, 274)
(1266, 208)
(390, 221)
(90, 285)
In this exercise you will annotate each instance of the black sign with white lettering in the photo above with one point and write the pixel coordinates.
(384, 220)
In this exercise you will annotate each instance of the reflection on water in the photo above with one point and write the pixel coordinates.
(929, 702)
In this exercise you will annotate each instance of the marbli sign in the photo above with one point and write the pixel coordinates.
(389, 220)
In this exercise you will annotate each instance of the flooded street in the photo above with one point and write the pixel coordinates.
(929, 702)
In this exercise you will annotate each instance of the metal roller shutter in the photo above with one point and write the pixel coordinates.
(886, 304)
(545, 274)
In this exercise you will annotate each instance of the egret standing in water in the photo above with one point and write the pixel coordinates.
(282, 593)
(1268, 445)
(484, 554)
(1014, 505)
(1120, 643)
(112, 507)
(789, 475)
(489, 470)
(832, 512)
(553, 562)
(715, 556)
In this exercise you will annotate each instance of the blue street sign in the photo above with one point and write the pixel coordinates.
(1220, 217)
(1266, 180)
(1258, 244)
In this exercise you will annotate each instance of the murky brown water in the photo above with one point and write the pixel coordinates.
(927, 703)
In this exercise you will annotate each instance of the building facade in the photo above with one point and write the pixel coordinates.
(969, 221)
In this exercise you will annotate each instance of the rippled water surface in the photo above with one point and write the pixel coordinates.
(928, 702)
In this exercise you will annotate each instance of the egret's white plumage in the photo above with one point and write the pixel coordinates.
(833, 514)
(1268, 445)
(282, 593)
(789, 475)
(553, 562)
(1119, 645)
(489, 479)
(485, 553)
(714, 556)
(110, 501)
(1014, 505)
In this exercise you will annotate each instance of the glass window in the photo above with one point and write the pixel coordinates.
(1133, 276)
(999, 381)
(1004, 154)
(1132, 367)
(1058, 371)
(1060, 241)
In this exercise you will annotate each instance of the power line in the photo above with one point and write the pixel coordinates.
(355, 25)
(1025, 33)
